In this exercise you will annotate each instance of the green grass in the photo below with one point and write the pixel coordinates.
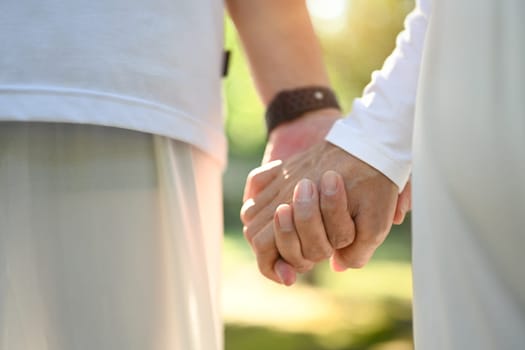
(368, 308)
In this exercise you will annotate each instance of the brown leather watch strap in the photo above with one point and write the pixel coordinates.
(288, 105)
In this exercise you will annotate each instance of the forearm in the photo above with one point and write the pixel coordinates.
(280, 44)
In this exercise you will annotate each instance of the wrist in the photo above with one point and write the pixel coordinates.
(300, 134)
(311, 123)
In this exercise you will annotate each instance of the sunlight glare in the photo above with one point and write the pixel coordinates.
(327, 9)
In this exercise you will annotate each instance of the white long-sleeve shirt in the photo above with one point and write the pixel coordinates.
(379, 128)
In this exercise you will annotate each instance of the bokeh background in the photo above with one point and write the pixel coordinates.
(368, 308)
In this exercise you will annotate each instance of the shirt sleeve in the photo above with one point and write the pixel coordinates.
(379, 128)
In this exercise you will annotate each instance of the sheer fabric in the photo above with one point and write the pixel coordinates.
(109, 239)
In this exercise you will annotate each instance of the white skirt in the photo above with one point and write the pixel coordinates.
(109, 239)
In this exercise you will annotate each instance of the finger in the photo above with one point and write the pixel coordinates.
(285, 272)
(373, 217)
(263, 245)
(338, 223)
(257, 214)
(260, 177)
(252, 207)
(404, 204)
(371, 231)
(308, 222)
(287, 240)
(335, 262)
(355, 256)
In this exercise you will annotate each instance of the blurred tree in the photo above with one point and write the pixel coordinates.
(244, 110)
(357, 47)
(362, 44)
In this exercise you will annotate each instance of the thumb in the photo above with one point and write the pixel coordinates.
(285, 272)
(404, 204)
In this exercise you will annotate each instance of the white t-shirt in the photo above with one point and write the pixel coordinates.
(152, 66)
(379, 128)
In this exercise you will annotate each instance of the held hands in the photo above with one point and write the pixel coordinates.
(291, 227)
(294, 137)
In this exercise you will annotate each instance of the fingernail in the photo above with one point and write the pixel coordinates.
(305, 191)
(329, 183)
(285, 220)
(285, 273)
(337, 267)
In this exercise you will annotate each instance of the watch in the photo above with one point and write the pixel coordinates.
(288, 105)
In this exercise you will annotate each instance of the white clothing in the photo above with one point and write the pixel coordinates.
(469, 166)
(152, 66)
(468, 181)
(109, 240)
(379, 128)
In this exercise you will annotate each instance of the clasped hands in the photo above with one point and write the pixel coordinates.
(318, 204)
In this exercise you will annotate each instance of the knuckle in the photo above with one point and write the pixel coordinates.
(266, 270)
(342, 240)
(255, 178)
(257, 245)
(371, 238)
(303, 212)
(375, 240)
(354, 262)
(245, 219)
(251, 175)
(260, 245)
(329, 206)
(249, 233)
(318, 252)
(299, 263)
(357, 264)
(302, 268)
(384, 228)
(248, 212)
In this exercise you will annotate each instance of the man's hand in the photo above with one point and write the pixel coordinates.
(287, 140)
(371, 201)
(321, 224)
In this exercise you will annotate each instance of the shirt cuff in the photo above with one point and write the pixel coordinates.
(346, 138)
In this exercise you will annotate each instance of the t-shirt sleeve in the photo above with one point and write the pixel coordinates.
(379, 128)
